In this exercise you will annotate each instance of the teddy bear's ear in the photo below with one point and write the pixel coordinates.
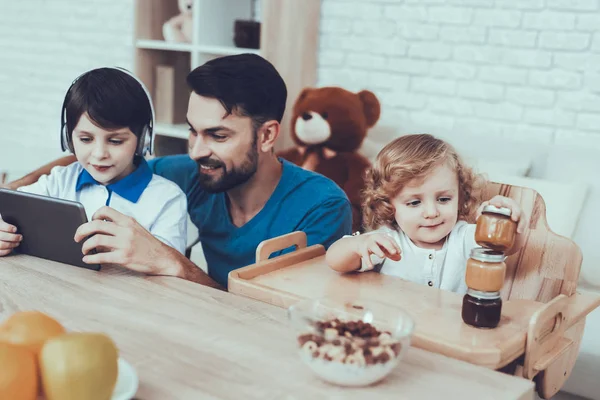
(371, 106)
(303, 94)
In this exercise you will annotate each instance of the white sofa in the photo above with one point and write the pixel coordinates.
(567, 178)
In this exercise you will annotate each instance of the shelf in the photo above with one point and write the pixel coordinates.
(288, 28)
(225, 50)
(162, 45)
(215, 50)
(180, 131)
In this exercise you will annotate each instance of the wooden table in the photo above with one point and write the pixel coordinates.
(188, 341)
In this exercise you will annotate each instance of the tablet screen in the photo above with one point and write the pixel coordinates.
(47, 224)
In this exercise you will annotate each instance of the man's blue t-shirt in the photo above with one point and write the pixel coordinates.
(302, 201)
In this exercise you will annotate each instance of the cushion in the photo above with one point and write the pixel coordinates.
(498, 166)
(475, 151)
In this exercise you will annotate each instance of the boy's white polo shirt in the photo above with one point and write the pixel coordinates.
(156, 203)
(444, 268)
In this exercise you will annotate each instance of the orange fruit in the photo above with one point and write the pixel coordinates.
(18, 373)
(30, 329)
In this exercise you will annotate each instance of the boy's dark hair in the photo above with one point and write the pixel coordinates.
(112, 98)
(245, 84)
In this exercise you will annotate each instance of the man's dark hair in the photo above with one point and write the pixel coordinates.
(113, 99)
(245, 84)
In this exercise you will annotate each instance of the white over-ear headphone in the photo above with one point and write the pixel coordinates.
(145, 141)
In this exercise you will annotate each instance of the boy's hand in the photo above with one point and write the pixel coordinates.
(517, 214)
(9, 238)
(380, 244)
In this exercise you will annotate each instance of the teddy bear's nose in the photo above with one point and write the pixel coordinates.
(189, 6)
(306, 116)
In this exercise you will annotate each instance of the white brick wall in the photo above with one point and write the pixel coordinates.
(44, 45)
(519, 68)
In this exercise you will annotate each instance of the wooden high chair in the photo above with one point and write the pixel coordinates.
(548, 264)
(546, 269)
(543, 316)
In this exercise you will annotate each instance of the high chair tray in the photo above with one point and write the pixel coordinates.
(439, 328)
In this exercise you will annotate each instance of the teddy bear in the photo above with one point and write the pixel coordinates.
(329, 125)
(180, 27)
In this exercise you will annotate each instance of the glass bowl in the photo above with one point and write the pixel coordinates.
(350, 343)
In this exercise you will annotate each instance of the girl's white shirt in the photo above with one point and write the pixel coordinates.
(444, 268)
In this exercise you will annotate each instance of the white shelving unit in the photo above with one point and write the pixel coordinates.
(289, 39)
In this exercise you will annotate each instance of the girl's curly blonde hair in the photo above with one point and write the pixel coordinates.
(407, 158)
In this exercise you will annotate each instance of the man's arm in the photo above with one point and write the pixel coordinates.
(35, 175)
(176, 264)
(123, 241)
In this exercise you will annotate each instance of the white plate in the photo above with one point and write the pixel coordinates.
(127, 382)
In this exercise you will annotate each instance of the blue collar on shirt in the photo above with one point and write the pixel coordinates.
(131, 187)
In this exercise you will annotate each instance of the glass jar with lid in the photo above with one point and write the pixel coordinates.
(495, 230)
(485, 270)
(482, 309)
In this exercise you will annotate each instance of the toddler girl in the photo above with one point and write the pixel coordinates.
(417, 197)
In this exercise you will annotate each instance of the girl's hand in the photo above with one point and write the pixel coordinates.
(380, 244)
(517, 214)
(9, 239)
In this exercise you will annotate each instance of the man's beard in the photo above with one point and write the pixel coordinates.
(228, 179)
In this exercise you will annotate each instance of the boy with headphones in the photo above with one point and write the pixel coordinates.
(107, 121)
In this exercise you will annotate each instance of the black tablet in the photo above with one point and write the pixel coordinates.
(47, 224)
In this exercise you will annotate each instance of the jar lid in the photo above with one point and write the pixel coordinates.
(487, 255)
(497, 210)
(483, 295)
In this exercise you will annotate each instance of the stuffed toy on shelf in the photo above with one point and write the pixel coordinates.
(179, 28)
(329, 125)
